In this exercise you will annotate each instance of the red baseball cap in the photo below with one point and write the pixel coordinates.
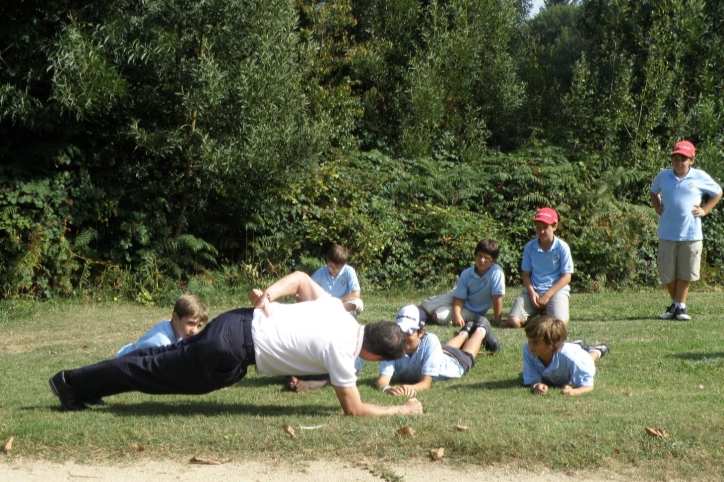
(685, 148)
(546, 215)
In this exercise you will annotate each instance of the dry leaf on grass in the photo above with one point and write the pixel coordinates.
(8, 445)
(288, 429)
(461, 428)
(404, 431)
(616, 451)
(138, 448)
(437, 454)
(656, 432)
(198, 461)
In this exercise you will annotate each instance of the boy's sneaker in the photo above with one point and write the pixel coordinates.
(490, 342)
(681, 314)
(602, 349)
(669, 313)
(466, 329)
(580, 343)
(65, 393)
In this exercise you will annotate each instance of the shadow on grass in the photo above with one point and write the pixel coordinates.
(516, 382)
(696, 356)
(259, 382)
(209, 408)
(607, 320)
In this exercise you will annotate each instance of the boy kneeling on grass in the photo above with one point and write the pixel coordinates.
(426, 360)
(549, 360)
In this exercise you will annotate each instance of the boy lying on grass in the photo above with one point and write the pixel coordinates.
(188, 317)
(426, 360)
(549, 360)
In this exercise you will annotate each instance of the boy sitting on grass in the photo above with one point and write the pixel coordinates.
(549, 360)
(188, 317)
(425, 360)
(546, 268)
(340, 279)
(479, 288)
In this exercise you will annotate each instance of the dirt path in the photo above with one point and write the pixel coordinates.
(19, 470)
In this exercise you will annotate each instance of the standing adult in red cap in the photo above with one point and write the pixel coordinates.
(676, 194)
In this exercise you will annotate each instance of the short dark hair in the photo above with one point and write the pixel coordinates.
(488, 246)
(549, 329)
(338, 254)
(384, 339)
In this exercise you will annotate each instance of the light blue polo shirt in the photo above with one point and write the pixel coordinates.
(571, 366)
(477, 291)
(345, 282)
(160, 335)
(547, 267)
(679, 196)
(428, 359)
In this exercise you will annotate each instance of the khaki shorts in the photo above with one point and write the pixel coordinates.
(442, 305)
(524, 310)
(679, 260)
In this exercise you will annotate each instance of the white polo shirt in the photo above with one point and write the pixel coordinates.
(308, 338)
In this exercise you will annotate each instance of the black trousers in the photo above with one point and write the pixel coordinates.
(215, 358)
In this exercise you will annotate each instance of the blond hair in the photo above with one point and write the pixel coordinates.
(191, 305)
(549, 329)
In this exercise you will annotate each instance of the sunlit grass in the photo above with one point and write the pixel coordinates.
(661, 374)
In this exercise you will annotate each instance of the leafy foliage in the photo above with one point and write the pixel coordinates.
(147, 146)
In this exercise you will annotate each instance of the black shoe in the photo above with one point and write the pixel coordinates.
(580, 343)
(669, 313)
(467, 328)
(681, 314)
(490, 342)
(98, 402)
(602, 349)
(65, 393)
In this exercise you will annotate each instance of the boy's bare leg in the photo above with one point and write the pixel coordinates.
(512, 322)
(678, 290)
(458, 340)
(472, 346)
(595, 355)
(297, 284)
(299, 386)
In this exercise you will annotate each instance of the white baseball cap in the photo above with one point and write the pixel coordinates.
(408, 319)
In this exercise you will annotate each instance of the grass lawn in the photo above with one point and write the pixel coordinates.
(662, 374)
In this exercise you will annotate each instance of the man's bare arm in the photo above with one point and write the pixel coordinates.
(352, 405)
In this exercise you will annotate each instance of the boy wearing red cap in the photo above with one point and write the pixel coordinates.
(676, 195)
(547, 267)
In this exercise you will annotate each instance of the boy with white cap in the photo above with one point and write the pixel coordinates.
(426, 360)
(546, 268)
(676, 195)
